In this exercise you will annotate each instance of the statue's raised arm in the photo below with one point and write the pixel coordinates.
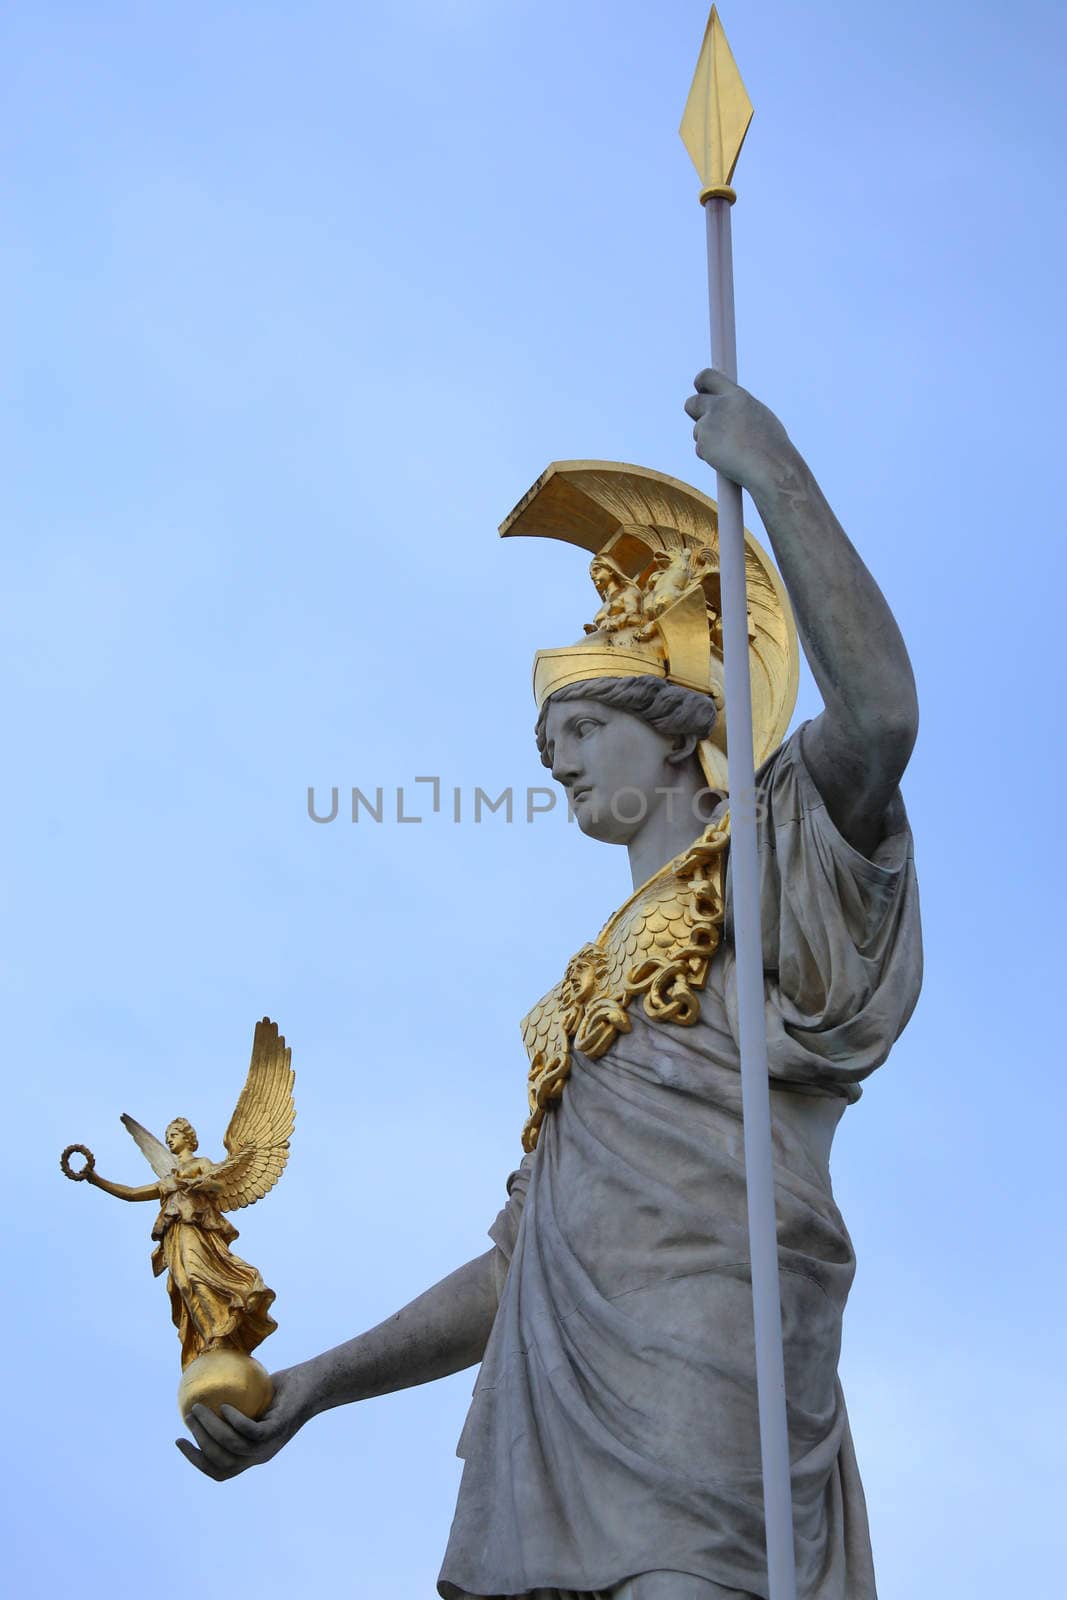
(858, 748)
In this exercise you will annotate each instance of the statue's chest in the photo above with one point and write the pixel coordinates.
(657, 947)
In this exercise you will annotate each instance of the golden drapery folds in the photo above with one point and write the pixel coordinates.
(217, 1300)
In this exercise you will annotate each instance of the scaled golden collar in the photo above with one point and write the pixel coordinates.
(659, 945)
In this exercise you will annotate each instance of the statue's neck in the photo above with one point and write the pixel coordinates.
(675, 820)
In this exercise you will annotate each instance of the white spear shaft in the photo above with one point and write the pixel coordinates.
(713, 128)
(748, 946)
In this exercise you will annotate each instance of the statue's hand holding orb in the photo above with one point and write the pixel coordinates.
(230, 1441)
(219, 1378)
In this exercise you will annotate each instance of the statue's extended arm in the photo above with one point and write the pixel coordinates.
(123, 1191)
(858, 748)
(443, 1331)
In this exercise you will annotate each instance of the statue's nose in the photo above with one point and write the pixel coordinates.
(565, 768)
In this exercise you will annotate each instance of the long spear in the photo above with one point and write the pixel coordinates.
(714, 125)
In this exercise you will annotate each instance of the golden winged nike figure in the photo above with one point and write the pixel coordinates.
(220, 1304)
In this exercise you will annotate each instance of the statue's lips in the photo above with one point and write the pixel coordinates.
(584, 800)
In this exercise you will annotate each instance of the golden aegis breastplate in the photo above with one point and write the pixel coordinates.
(658, 945)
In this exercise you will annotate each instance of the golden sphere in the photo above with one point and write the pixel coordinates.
(225, 1378)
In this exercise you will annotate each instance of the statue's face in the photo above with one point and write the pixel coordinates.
(611, 764)
(180, 1139)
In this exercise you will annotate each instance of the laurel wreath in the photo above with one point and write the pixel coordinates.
(76, 1174)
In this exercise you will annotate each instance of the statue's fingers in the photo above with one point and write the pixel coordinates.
(249, 1429)
(217, 1439)
(200, 1462)
(697, 404)
(711, 381)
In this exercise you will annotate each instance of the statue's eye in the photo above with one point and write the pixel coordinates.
(586, 726)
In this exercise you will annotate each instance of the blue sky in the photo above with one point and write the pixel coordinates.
(297, 302)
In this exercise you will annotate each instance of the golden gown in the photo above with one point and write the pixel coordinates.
(216, 1299)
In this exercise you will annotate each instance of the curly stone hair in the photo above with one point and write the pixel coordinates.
(665, 706)
(186, 1126)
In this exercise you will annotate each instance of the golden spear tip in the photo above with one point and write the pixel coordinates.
(717, 113)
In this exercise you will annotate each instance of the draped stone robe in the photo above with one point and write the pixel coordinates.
(614, 1427)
